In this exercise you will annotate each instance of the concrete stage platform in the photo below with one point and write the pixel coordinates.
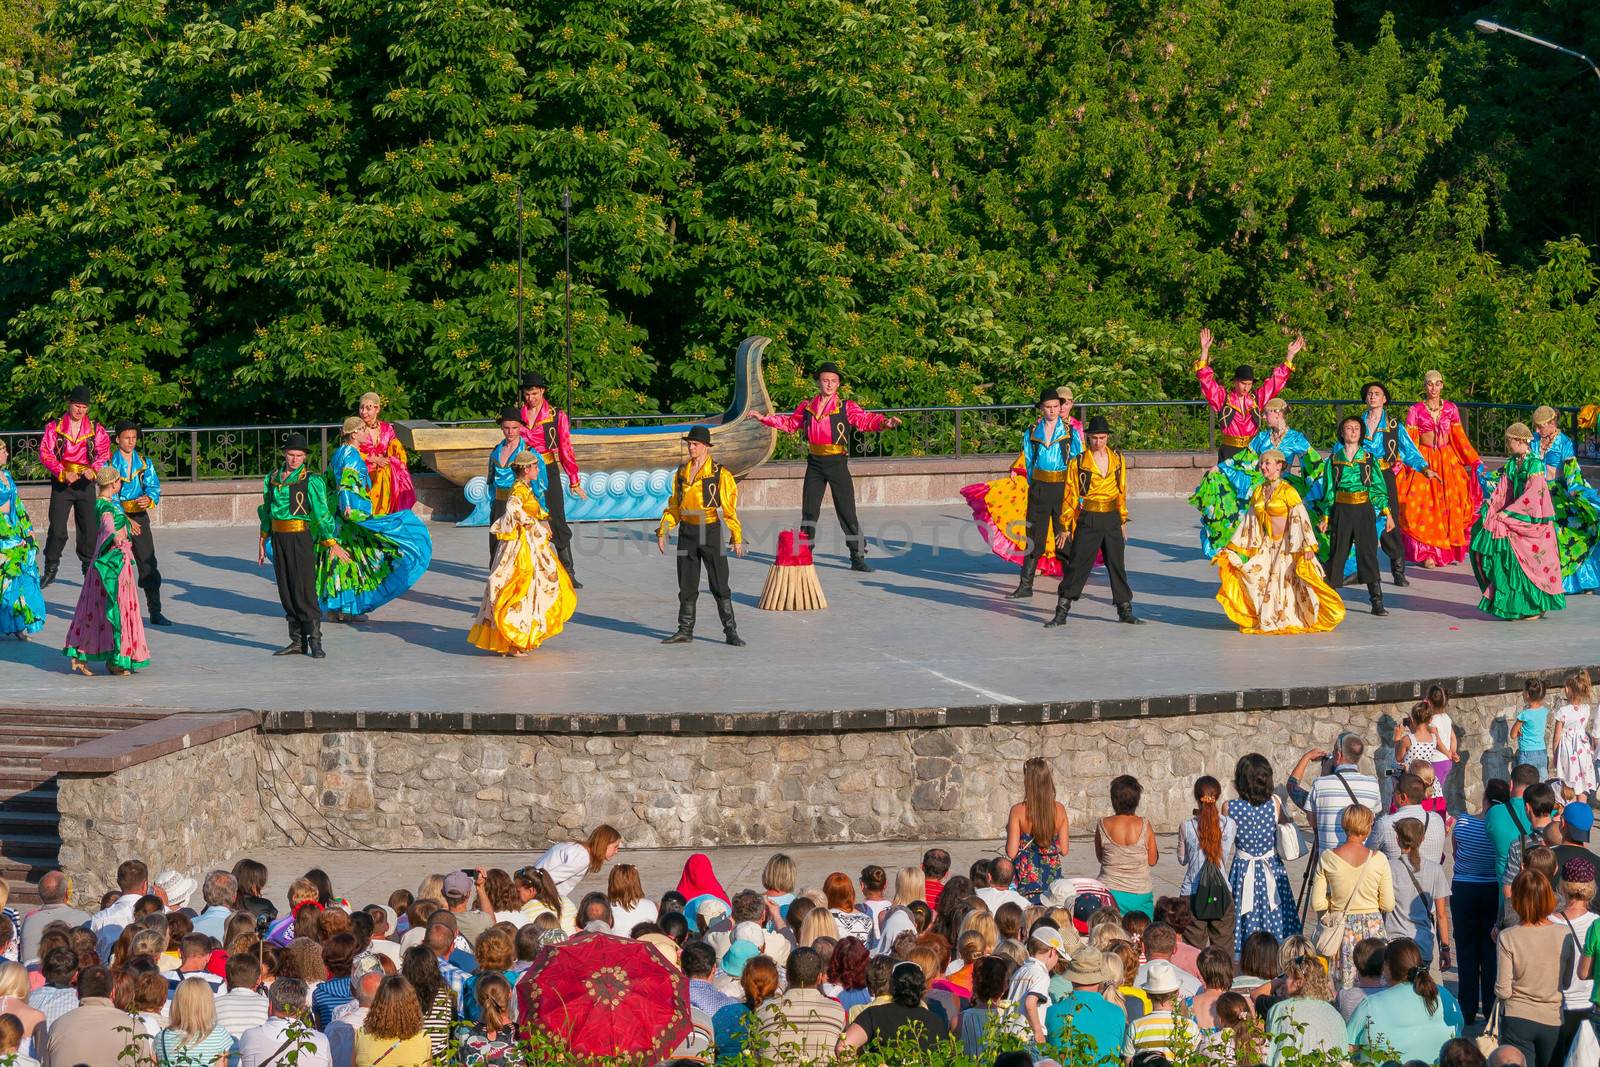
(929, 630)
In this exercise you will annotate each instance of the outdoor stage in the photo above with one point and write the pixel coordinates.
(930, 630)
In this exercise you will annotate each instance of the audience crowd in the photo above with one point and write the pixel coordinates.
(1006, 960)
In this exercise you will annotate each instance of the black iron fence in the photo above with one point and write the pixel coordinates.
(218, 453)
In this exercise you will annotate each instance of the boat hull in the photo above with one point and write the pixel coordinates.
(739, 442)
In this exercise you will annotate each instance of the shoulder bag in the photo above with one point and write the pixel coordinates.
(1330, 936)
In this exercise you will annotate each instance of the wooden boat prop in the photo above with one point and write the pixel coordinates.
(739, 442)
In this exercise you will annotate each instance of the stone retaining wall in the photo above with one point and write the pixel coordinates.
(405, 789)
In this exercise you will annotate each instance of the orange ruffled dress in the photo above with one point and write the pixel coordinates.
(1274, 584)
(1436, 516)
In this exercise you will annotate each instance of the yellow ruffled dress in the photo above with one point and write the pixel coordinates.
(1274, 584)
(529, 595)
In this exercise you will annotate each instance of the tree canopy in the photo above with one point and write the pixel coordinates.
(242, 210)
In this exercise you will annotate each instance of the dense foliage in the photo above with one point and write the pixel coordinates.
(223, 210)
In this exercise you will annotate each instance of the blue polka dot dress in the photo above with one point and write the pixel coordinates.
(1262, 898)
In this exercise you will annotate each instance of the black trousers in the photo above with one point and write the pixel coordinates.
(1475, 910)
(702, 546)
(294, 557)
(78, 499)
(1393, 546)
(555, 501)
(1536, 1040)
(831, 472)
(1353, 524)
(1044, 509)
(144, 555)
(1098, 531)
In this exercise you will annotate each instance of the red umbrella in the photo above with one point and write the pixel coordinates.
(606, 996)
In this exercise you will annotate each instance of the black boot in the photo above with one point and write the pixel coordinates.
(729, 628)
(1060, 617)
(1398, 572)
(685, 632)
(296, 645)
(1024, 588)
(314, 642)
(49, 574)
(1375, 591)
(1125, 614)
(152, 600)
(859, 563)
(565, 556)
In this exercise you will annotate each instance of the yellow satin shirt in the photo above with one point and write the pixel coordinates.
(1283, 501)
(1088, 489)
(689, 503)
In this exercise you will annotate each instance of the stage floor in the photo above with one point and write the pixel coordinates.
(929, 629)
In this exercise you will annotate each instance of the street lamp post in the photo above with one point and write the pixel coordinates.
(1490, 26)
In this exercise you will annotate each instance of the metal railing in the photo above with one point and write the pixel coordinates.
(217, 453)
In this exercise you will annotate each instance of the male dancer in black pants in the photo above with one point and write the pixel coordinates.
(295, 515)
(704, 500)
(1047, 447)
(1096, 521)
(1353, 480)
(73, 449)
(830, 425)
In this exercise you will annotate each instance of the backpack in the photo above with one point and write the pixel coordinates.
(1211, 898)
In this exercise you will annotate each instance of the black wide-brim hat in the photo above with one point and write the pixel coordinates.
(534, 380)
(296, 442)
(701, 434)
(80, 395)
(1098, 424)
(829, 368)
(1244, 372)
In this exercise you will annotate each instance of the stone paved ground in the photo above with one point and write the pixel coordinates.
(930, 629)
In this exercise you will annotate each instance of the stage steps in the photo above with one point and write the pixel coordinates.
(29, 837)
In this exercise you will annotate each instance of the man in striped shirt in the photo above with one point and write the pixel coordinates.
(1335, 789)
(242, 1006)
(1161, 1029)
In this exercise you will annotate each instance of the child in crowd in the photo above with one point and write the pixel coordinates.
(1527, 731)
(1574, 748)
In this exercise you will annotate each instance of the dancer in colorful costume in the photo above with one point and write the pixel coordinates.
(829, 426)
(1353, 488)
(548, 431)
(1238, 406)
(1515, 554)
(1096, 520)
(1386, 439)
(704, 499)
(296, 518)
(1223, 496)
(1437, 514)
(502, 471)
(1002, 507)
(1271, 580)
(21, 600)
(106, 626)
(385, 554)
(72, 449)
(141, 491)
(529, 596)
(385, 457)
(1577, 505)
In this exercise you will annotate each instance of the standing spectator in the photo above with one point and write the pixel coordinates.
(55, 889)
(1578, 888)
(841, 894)
(568, 862)
(1368, 960)
(287, 1031)
(1262, 898)
(935, 865)
(1411, 795)
(393, 1035)
(242, 1006)
(14, 999)
(1030, 986)
(1352, 889)
(1532, 959)
(999, 873)
(95, 1032)
(192, 1037)
(1508, 820)
(1339, 786)
(1125, 845)
(133, 882)
(1305, 1020)
(1419, 739)
(777, 881)
(1421, 897)
(1570, 834)
(1413, 1017)
(802, 1025)
(629, 905)
(1036, 831)
(219, 891)
(492, 1041)
(57, 996)
(1540, 804)
(903, 1019)
(342, 1031)
(1528, 727)
(1162, 1029)
(1216, 972)
(1573, 745)
(1086, 1011)
(1207, 838)
(1475, 901)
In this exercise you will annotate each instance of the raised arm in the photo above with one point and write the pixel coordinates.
(862, 419)
(783, 423)
(1209, 388)
(1280, 376)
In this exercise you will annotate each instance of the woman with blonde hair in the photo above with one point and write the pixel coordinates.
(981, 923)
(1353, 888)
(629, 905)
(1305, 1021)
(1036, 831)
(14, 989)
(819, 922)
(777, 882)
(910, 884)
(192, 1037)
(392, 1034)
